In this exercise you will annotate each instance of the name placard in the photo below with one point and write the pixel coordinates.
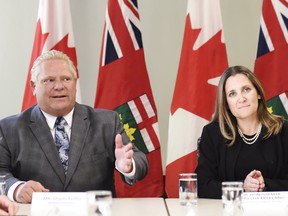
(262, 197)
(265, 203)
(59, 203)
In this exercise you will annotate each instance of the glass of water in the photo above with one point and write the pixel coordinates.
(231, 198)
(188, 188)
(2, 184)
(99, 203)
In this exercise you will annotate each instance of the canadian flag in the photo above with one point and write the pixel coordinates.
(203, 60)
(53, 31)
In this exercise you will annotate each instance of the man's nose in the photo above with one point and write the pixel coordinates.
(58, 84)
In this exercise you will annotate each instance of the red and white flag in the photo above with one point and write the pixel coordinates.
(203, 60)
(270, 65)
(124, 86)
(53, 31)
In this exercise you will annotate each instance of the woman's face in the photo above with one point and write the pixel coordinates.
(242, 97)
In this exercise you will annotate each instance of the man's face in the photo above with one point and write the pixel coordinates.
(55, 87)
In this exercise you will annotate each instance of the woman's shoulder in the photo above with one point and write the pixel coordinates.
(214, 125)
(212, 129)
(285, 127)
(285, 124)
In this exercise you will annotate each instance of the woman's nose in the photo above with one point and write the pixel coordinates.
(241, 98)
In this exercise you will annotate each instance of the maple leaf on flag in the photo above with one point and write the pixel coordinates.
(203, 60)
(53, 31)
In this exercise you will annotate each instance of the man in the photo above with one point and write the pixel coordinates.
(40, 154)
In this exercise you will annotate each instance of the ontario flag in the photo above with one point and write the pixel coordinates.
(123, 85)
(271, 63)
(53, 31)
(203, 60)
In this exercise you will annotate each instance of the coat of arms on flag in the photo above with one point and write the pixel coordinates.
(140, 123)
(123, 85)
(272, 54)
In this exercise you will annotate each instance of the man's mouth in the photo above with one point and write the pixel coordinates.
(59, 96)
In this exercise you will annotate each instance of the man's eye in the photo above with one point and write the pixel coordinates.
(47, 81)
(67, 79)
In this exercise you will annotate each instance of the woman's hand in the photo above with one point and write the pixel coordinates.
(254, 182)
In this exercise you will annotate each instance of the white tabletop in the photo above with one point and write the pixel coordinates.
(213, 207)
(139, 206)
(159, 207)
(125, 206)
(204, 207)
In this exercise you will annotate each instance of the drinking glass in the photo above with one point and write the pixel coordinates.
(2, 184)
(231, 198)
(188, 188)
(99, 203)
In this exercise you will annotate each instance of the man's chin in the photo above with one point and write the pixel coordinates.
(59, 110)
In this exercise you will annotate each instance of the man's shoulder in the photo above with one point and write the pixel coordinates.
(22, 116)
(95, 111)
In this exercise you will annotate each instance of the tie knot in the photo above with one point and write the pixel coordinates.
(60, 121)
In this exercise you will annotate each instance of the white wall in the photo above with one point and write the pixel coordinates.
(162, 31)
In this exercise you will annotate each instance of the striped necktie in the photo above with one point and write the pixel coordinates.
(62, 141)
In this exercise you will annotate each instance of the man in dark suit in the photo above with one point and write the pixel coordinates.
(97, 141)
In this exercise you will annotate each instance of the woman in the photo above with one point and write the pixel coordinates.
(244, 142)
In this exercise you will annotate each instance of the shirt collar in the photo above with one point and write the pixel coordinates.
(50, 119)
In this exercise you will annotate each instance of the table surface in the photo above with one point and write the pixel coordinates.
(124, 206)
(154, 206)
(213, 207)
(172, 207)
(204, 207)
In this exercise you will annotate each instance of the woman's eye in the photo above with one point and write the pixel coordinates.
(231, 94)
(247, 89)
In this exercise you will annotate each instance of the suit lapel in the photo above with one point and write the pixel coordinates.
(45, 140)
(80, 126)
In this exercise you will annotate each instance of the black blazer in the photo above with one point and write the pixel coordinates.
(28, 152)
(216, 162)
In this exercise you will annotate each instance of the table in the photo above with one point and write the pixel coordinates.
(139, 207)
(204, 207)
(172, 207)
(124, 206)
(213, 207)
(154, 206)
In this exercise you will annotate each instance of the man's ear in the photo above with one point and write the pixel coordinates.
(32, 85)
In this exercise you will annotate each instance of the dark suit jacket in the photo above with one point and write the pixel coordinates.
(28, 152)
(216, 162)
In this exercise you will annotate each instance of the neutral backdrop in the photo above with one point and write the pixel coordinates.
(162, 23)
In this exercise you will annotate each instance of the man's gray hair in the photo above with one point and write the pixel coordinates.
(52, 54)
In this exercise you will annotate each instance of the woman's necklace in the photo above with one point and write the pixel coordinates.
(251, 140)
